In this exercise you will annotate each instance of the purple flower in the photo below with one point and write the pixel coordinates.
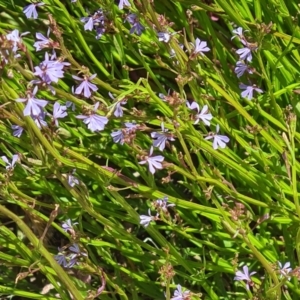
(239, 33)
(200, 47)
(160, 139)
(154, 162)
(34, 106)
(40, 120)
(17, 130)
(95, 20)
(72, 180)
(118, 110)
(89, 23)
(194, 105)
(164, 37)
(219, 140)
(241, 68)
(59, 111)
(204, 116)
(70, 104)
(146, 220)
(86, 86)
(10, 165)
(123, 3)
(137, 27)
(76, 251)
(248, 90)
(68, 225)
(285, 269)
(15, 38)
(99, 32)
(61, 259)
(42, 41)
(180, 295)
(163, 204)
(244, 276)
(50, 70)
(94, 122)
(245, 54)
(30, 10)
(118, 136)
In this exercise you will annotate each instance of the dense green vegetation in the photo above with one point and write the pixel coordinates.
(149, 149)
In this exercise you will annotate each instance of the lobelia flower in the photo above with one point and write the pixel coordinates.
(180, 295)
(204, 116)
(238, 33)
(241, 68)
(119, 135)
(40, 120)
(200, 47)
(248, 90)
(30, 10)
(285, 269)
(34, 106)
(94, 122)
(17, 130)
(70, 104)
(99, 32)
(162, 204)
(76, 251)
(59, 112)
(72, 180)
(146, 220)
(44, 42)
(123, 3)
(160, 139)
(61, 258)
(137, 27)
(68, 225)
(154, 162)
(244, 276)
(89, 23)
(15, 38)
(39, 82)
(85, 85)
(245, 54)
(50, 70)
(194, 105)
(219, 140)
(95, 20)
(164, 37)
(10, 165)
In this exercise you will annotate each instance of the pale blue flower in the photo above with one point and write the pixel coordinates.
(17, 130)
(218, 140)
(241, 68)
(154, 162)
(248, 90)
(123, 3)
(244, 276)
(10, 165)
(86, 86)
(180, 295)
(30, 10)
(200, 47)
(160, 138)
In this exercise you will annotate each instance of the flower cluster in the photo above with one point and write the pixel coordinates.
(95, 21)
(160, 205)
(245, 55)
(68, 258)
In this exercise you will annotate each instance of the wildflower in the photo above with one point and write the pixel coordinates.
(15, 38)
(248, 90)
(244, 276)
(180, 295)
(161, 138)
(39, 119)
(68, 225)
(194, 105)
(70, 104)
(164, 37)
(118, 136)
(61, 259)
(285, 269)
(99, 32)
(86, 86)
(245, 54)
(163, 204)
(137, 27)
(200, 47)
(94, 122)
(76, 251)
(30, 10)
(10, 165)
(17, 130)
(72, 180)
(238, 33)
(50, 70)
(219, 140)
(34, 106)
(154, 162)
(146, 220)
(59, 111)
(123, 3)
(89, 23)
(241, 68)
(204, 116)
(118, 110)
(44, 42)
